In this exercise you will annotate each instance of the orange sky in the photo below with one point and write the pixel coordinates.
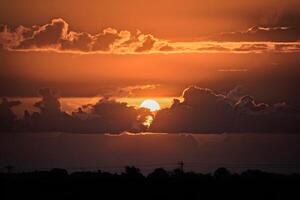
(169, 19)
(232, 65)
(148, 48)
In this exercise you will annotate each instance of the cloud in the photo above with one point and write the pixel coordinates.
(49, 35)
(77, 42)
(166, 47)
(49, 105)
(287, 47)
(12, 38)
(148, 42)
(248, 105)
(110, 116)
(252, 47)
(105, 40)
(235, 95)
(106, 116)
(113, 91)
(57, 36)
(133, 90)
(260, 34)
(214, 47)
(7, 117)
(202, 110)
(50, 116)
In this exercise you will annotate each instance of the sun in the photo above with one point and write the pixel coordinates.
(151, 104)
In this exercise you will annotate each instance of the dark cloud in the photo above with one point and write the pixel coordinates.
(50, 116)
(49, 105)
(260, 34)
(248, 105)
(11, 38)
(7, 117)
(110, 116)
(106, 116)
(147, 45)
(77, 41)
(49, 35)
(103, 41)
(235, 95)
(202, 111)
(57, 36)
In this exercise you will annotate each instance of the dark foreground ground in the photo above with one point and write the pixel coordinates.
(160, 184)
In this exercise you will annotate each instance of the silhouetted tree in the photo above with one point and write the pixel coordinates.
(158, 175)
(160, 184)
(222, 173)
(133, 173)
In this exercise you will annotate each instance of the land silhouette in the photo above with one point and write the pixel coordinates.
(159, 184)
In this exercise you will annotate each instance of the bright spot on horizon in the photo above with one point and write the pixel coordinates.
(151, 104)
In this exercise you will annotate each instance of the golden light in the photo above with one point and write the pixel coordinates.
(148, 121)
(151, 104)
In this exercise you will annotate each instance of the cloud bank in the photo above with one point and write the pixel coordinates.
(57, 36)
(202, 110)
(260, 34)
(106, 116)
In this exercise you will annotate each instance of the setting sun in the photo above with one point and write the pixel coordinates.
(151, 104)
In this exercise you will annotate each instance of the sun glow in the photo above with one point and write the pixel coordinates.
(151, 104)
(148, 121)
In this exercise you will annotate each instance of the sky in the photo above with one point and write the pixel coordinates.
(201, 61)
(169, 19)
(225, 76)
(86, 48)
